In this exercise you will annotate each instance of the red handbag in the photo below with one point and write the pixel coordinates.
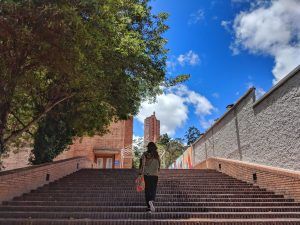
(140, 183)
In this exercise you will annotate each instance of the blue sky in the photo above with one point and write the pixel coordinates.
(226, 46)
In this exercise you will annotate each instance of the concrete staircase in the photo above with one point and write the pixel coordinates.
(92, 197)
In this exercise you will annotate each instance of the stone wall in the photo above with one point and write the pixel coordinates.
(16, 182)
(266, 131)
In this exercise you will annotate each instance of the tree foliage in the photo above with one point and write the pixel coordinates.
(138, 149)
(192, 135)
(68, 67)
(53, 135)
(169, 149)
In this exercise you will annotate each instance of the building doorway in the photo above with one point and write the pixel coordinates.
(109, 163)
(100, 163)
(105, 162)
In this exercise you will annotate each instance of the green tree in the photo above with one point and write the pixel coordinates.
(53, 135)
(192, 135)
(138, 149)
(94, 57)
(164, 139)
(169, 149)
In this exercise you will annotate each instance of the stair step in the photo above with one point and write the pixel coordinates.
(143, 215)
(191, 221)
(133, 195)
(184, 197)
(158, 199)
(143, 208)
(142, 203)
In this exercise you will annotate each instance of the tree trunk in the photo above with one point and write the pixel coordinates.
(4, 111)
(7, 89)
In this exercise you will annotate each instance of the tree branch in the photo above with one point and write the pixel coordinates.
(16, 133)
(18, 119)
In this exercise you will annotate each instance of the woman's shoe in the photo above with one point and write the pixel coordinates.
(152, 208)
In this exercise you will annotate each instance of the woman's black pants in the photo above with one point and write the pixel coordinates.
(150, 188)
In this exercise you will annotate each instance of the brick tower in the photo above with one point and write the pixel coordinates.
(151, 129)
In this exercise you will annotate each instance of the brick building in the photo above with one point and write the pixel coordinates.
(151, 129)
(112, 150)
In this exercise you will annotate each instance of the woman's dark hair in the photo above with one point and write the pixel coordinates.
(152, 148)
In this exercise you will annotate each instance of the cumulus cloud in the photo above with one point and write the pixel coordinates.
(137, 141)
(216, 95)
(172, 108)
(259, 92)
(226, 25)
(189, 58)
(240, 1)
(171, 64)
(202, 104)
(206, 123)
(271, 28)
(196, 17)
(136, 137)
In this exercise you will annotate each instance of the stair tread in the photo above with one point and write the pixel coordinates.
(184, 197)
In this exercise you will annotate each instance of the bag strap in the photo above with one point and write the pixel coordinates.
(143, 163)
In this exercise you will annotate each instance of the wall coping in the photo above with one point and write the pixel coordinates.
(226, 113)
(265, 96)
(3, 173)
(278, 85)
(277, 170)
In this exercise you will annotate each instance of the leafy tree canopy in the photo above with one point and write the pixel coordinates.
(77, 63)
(169, 149)
(138, 149)
(192, 135)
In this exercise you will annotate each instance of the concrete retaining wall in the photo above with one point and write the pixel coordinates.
(266, 131)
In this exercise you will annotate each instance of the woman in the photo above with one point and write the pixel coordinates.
(149, 167)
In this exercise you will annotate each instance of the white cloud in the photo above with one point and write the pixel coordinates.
(259, 92)
(136, 137)
(138, 141)
(196, 17)
(201, 103)
(171, 108)
(216, 95)
(271, 28)
(234, 49)
(206, 123)
(239, 1)
(190, 58)
(249, 85)
(226, 25)
(171, 64)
